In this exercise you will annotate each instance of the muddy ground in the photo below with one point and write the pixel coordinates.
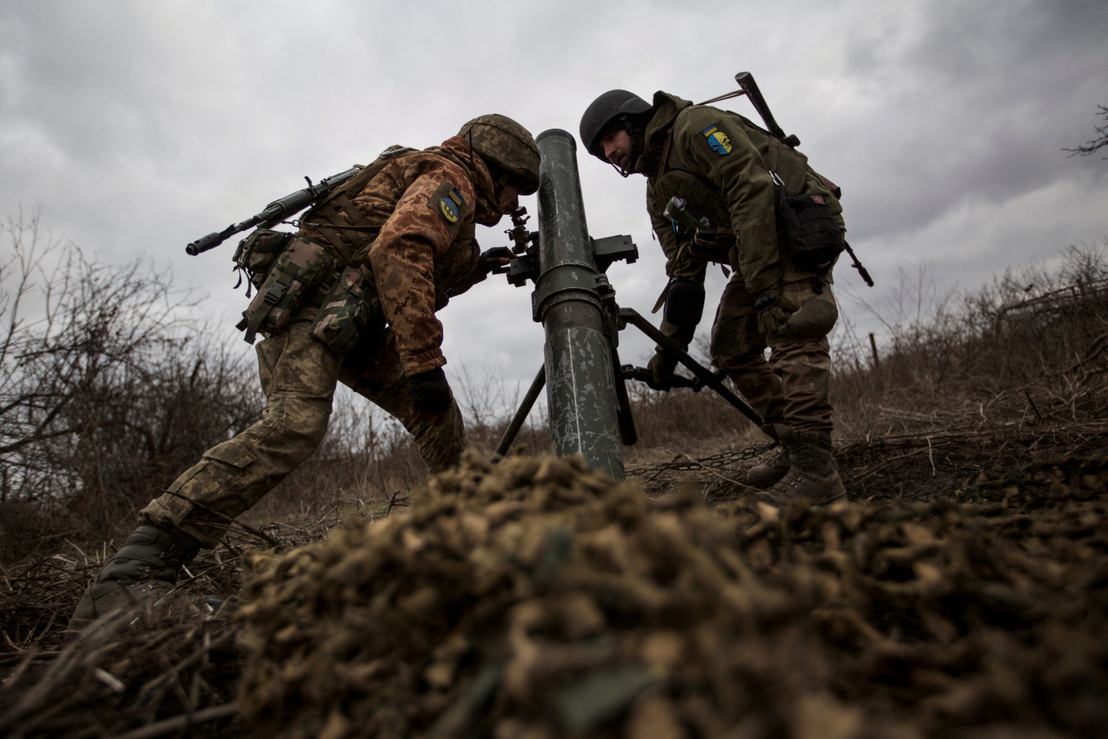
(962, 592)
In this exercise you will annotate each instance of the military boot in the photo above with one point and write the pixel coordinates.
(143, 569)
(771, 469)
(812, 473)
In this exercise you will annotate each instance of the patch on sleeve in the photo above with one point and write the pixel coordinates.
(448, 203)
(717, 140)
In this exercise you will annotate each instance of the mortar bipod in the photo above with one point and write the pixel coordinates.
(702, 377)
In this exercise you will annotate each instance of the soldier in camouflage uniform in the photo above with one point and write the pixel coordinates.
(385, 251)
(726, 169)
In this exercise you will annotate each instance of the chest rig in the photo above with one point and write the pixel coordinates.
(675, 179)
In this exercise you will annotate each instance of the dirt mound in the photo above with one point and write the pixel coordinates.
(537, 598)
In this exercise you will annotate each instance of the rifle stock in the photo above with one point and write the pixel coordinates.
(750, 88)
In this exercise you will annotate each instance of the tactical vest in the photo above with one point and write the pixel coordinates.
(673, 180)
(350, 233)
(343, 227)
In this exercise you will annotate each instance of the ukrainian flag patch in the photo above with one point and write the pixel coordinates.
(717, 140)
(449, 210)
(448, 203)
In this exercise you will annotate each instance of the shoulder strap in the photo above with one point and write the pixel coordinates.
(368, 172)
(344, 237)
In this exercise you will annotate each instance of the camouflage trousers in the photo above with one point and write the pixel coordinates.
(298, 376)
(793, 385)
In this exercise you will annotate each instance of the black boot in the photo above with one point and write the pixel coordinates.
(143, 569)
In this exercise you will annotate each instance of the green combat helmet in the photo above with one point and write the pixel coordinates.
(507, 147)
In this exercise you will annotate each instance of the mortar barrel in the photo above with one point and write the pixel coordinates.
(581, 385)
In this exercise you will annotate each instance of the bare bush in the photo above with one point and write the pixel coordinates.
(105, 391)
(1097, 143)
(1028, 348)
(687, 421)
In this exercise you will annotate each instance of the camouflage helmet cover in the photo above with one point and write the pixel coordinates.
(615, 107)
(502, 142)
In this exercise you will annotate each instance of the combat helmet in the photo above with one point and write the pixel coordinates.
(506, 146)
(614, 109)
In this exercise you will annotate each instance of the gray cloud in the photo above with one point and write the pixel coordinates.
(137, 127)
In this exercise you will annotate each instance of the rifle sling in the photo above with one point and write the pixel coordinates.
(340, 205)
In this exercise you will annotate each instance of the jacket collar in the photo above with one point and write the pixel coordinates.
(659, 130)
(457, 150)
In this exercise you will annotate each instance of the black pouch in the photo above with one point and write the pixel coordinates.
(813, 238)
(298, 269)
(347, 308)
(256, 253)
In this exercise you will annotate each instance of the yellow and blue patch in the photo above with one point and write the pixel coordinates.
(717, 140)
(449, 203)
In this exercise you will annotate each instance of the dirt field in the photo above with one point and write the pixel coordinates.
(962, 592)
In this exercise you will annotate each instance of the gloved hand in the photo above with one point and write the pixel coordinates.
(774, 312)
(662, 365)
(430, 394)
(495, 260)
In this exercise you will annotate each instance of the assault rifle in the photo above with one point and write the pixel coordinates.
(276, 211)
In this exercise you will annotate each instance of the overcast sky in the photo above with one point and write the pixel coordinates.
(136, 126)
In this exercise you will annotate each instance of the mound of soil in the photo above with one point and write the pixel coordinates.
(537, 598)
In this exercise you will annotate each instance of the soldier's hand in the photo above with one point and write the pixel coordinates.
(431, 395)
(494, 260)
(662, 365)
(774, 312)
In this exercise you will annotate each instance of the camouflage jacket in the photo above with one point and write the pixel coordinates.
(721, 162)
(412, 224)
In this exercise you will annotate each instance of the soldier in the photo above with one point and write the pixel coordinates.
(352, 298)
(725, 171)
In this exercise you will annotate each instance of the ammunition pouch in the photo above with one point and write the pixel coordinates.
(813, 238)
(296, 271)
(684, 304)
(256, 253)
(346, 310)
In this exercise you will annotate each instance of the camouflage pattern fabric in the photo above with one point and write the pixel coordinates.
(422, 203)
(720, 163)
(373, 369)
(793, 385)
(421, 207)
(298, 375)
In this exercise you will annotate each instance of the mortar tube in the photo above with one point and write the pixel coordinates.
(581, 385)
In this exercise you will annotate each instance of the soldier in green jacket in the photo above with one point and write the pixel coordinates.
(726, 172)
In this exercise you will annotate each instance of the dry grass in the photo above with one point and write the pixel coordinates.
(960, 397)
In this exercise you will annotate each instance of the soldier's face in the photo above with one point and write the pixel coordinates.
(617, 147)
(509, 199)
